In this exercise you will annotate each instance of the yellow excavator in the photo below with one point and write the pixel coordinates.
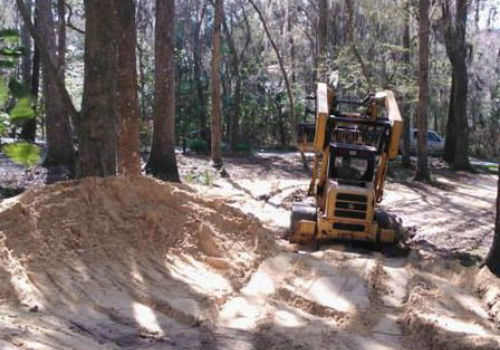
(351, 157)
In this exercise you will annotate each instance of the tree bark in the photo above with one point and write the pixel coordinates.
(422, 173)
(450, 144)
(197, 65)
(141, 32)
(216, 96)
(457, 138)
(322, 41)
(235, 72)
(461, 159)
(45, 56)
(97, 132)
(129, 161)
(281, 65)
(407, 106)
(162, 161)
(493, 259)
(26, 62)
(60, 148)
(291, 20)
(61, 35)
(28, 131)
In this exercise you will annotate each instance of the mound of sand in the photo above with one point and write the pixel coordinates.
(108, 251)
(139, 264)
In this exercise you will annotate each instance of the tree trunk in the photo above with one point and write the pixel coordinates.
(281, 65)
(216, 97)
(436, 118)
(461, 161)
(422, 173)
(236, 110)
(129, 161)
(493, 259)
(450, 144)
(26, 42)
(407, 106)
(97, 132)
(60, 149)
(457, 143)
(47, 61)
(291, 20)
(142, 29)
(162, 161)
(197, 65)
(322, 41)
(235, 72)
(28, 132)
(61, 35)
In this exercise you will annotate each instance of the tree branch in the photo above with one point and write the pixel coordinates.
(350, 34)
(51, 66)
(280, 62)
(248, 34)
(68, 21)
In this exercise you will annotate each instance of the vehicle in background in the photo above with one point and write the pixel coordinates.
(435, 142)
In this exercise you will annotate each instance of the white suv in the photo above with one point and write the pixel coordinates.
(435, 142)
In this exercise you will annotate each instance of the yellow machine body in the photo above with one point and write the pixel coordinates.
(344, 209)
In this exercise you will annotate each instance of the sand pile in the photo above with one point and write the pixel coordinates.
(103, 253)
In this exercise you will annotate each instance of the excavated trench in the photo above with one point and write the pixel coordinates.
(139, 264)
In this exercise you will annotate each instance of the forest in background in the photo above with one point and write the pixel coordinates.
(272, 55)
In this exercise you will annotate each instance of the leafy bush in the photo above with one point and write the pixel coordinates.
(16, 102)
(198, 145)
(243, 148)
(22, 153)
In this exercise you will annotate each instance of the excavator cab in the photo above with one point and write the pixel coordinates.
(351, 157)
(352, 165)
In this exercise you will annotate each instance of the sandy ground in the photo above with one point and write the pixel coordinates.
(137, 264)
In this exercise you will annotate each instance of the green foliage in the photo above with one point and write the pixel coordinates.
(208, 178)
(4, 123)
(16, 94)
(189, 178)
(4, 93)
(243, 148)
(490, 168)
(7, 63)
(10, 50)
(198, 145)
(13, 52)
(17, 89)
(23, 153)
(9, 35)
(22, 111)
